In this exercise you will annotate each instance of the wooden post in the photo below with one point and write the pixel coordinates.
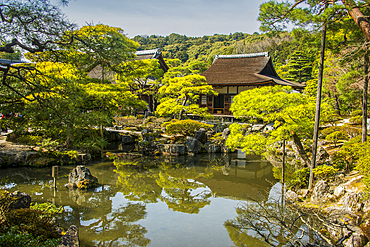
(54, 175)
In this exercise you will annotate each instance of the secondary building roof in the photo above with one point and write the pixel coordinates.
(245, 70)
(152, 54)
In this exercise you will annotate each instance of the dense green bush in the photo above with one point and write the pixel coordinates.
(336, 136)
(324, 171)
(347, 156)
(184, 127)
(299, 178)
(27, 226)
(14, 238)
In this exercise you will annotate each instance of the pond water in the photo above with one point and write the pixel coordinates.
(160, 201)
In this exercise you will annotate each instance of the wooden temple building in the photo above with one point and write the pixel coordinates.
(232, 74)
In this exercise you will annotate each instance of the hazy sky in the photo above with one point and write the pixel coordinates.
(193, 18)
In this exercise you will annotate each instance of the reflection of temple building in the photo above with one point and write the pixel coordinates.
(242, 178)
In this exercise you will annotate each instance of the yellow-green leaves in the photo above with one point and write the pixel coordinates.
(289, 112)
(180, 95)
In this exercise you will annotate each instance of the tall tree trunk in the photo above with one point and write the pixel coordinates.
(364, 97)
(318, 106)
(360, 19)
(182, 109)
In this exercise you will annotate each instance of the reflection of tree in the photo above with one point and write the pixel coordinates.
(287, 225)
(135, 184)
(178, 183)
(117, 228)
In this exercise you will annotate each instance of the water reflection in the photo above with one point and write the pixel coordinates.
(152, 201)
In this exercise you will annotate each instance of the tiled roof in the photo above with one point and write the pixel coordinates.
(152, 54)
(244, 70)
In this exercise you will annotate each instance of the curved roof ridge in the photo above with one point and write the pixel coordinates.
(260, 54)
(148, 52)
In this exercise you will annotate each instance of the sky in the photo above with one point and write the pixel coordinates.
(193, 18)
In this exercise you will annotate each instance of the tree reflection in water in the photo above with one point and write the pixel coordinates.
(271, 224)
(175, 185)
(107, 225)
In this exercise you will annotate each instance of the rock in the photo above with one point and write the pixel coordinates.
(320, 190)
(321, 156)
(366, 207)
(339, 191)
(81, 178)
(291, 196)
(212, 148)
(356, 237)
(127, 139)
(351, 202)
(70, 239)
(172, 149)
(303, 193)
(351, 184)
(201, 135)
(192, 145)
(225, 133)
(19, 200)
(147, 135)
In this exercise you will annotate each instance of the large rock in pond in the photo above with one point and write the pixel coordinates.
(81, 178)
(172, 149)
(70, 239)
(193, 145)
(201, 135)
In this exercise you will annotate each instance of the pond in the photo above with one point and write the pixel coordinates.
(160, 201)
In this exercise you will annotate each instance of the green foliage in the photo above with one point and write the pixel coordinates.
(181, 94)
(27, 223)
(324, 172)
(336, 136)
(15, 238)
(47, 208)
(299, 67)
(291, 113)
(184, 127)
(363, 164)
(128, 121)
(30, 140)
(155, 122)
(347, 156)
(299, 178)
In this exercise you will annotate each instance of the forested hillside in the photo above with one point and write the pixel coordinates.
(281, 46)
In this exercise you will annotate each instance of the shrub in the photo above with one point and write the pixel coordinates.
(324, 171)
(327, 131)
(184, 127)
(363, 165)
(47, 207)
(15, 238)
(299, 178)
(348, 154)
(128, 121)
(336, 136)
